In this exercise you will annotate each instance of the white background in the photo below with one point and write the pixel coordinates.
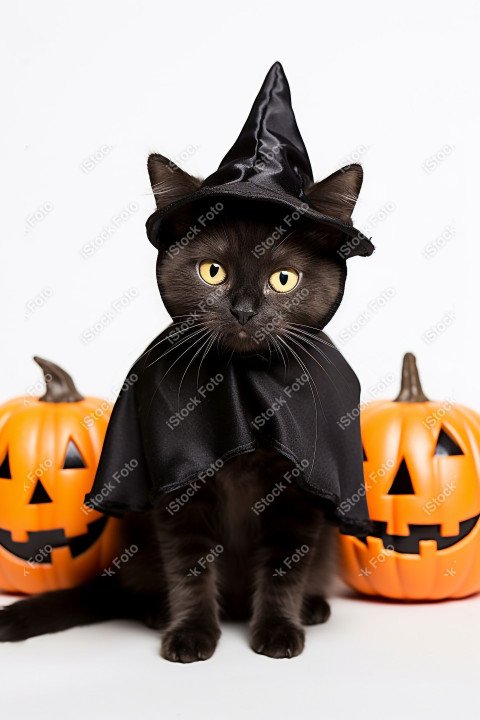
(395, 86)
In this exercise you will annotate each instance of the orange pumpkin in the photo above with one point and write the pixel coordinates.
(422, 479)
(49, 452)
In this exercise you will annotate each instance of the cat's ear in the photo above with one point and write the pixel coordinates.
(168, 181)
(338, 193)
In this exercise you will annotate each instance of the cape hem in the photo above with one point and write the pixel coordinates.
(359, 527)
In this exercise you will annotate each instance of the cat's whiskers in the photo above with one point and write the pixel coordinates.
(178, 344)
(269, 351)
(192, 314)
(209, 334)
(218, 341)
(292, 338)
(185, 351)
(162, 187)
(275, 247)
(308, 338)
(279, 351)
(315, 337)
(168, 337)
(205, 353)
(192, 345)
(310, 381)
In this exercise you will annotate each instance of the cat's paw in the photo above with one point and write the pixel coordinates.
(315, 610)
(278, 638)
(186, 644)
(14, 623)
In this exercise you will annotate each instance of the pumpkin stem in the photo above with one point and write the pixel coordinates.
(60, 386)
(411, 388)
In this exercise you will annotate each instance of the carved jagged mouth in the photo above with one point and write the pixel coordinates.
(39, 545)
(410, 543)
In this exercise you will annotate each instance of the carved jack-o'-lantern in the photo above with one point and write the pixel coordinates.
(49, 452)
(422, 479)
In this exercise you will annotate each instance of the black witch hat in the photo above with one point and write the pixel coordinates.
(268, 162)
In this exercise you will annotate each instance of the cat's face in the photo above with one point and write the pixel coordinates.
(248, 278)
(247, 274)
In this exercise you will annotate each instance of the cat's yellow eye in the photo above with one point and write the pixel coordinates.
(211, 272)
(283, 281)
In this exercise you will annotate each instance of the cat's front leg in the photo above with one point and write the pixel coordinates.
(289, 528)
(189, 555)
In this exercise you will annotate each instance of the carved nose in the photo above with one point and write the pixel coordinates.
(40, 495)
(242, 315)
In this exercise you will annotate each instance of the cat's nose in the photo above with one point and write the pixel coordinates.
(243, 315)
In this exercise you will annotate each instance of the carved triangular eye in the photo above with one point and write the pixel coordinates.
(73, 458)
(402, 483)
(364, 454)
(5, 473)
(40, 495)
(446, 445)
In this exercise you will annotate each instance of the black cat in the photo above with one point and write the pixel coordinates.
(241, 583)
(248, 284)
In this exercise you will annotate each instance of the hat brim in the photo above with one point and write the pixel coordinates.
(355, 243)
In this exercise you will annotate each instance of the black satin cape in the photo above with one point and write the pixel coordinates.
(170, 427)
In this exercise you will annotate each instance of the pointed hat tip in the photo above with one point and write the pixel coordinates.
(276, 78)
(277, 67)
